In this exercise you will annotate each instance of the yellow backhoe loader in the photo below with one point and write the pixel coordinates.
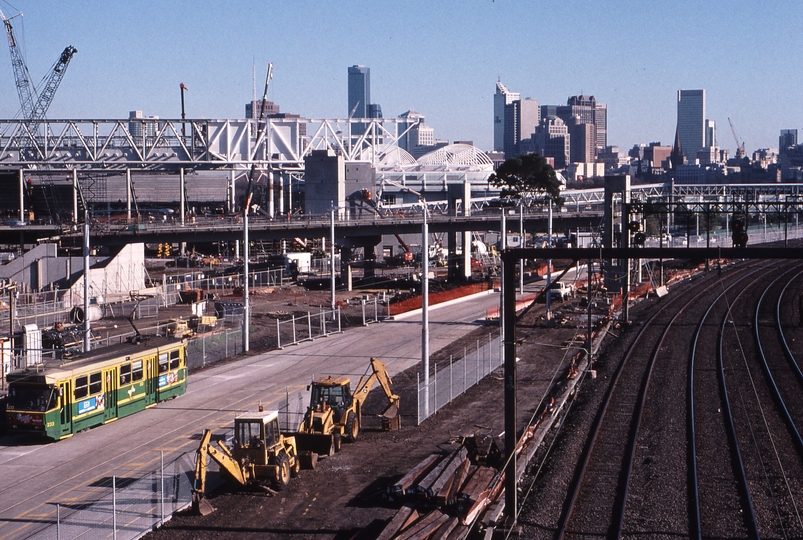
(335, 412)
(260, 455)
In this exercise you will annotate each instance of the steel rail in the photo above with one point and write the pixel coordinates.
(696, 521)
(619, 505)
(749, 514)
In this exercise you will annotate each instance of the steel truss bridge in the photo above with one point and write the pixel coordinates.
(165, 144)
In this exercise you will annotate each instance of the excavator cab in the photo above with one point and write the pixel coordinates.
(335, 411)
(332, 394)
(260, 454)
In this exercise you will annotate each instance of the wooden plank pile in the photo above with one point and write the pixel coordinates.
(443, 495)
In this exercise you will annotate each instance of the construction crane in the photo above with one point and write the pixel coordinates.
(35, 111)
(740, 152)
(21, 75)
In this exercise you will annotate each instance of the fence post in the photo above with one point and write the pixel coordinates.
(477, 372)
(418, 398)
(114, 507)
(323, 321)
(162, 487)
(309, 325)
(338, 320)
(203, 351)
(435, 393)
(465, 368)
(363, 312)
(451, 380)
(287, 413)
(58, 521)
(376, 308)
(279, 334)
(295, 338)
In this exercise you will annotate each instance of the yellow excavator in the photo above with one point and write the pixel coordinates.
(335, 412)
(260, 456)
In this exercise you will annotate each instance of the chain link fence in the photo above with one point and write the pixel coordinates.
(213, 346)
(129, 508)
(297, 329)
(458, 376)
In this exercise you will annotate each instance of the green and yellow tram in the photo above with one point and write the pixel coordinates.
(58, 399)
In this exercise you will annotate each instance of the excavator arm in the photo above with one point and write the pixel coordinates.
(222, 457)
(379, 373)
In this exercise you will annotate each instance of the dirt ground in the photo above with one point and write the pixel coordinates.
(344, 496)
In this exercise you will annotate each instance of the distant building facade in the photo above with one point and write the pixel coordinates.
(691, 122)
(522, 116)
(359, 97)
(502, 97)
(260, 107)
(416, 135)
(552, 139)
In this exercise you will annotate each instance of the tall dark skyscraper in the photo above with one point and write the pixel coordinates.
(359, 92)
(691, 122)
(360, 105)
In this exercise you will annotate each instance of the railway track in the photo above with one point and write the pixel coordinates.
(687, 436)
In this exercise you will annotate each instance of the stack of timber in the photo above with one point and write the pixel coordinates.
(444, 494)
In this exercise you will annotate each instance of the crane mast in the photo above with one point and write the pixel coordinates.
(21, 74)
(34, 111)
(740, 151)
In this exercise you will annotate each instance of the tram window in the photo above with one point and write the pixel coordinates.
(95, 383)
(136, 371)
(175, 357)
(125, 374)
(81, 387)
(163, 363)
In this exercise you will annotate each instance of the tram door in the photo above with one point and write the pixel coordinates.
(150, 380)
(65, 389)
(110, 394)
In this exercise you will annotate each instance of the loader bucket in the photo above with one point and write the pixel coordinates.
(308, 460)
(323, 445)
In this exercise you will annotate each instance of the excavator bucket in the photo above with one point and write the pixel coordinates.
(391, 419)
(320, 444)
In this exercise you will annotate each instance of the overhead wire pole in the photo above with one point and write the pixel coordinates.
(510, 377)
(332, 256)
(425, 306)
(248, 194)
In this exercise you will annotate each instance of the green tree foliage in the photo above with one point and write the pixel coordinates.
(528, 176)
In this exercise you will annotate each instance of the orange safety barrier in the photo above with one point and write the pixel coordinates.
(436, 298)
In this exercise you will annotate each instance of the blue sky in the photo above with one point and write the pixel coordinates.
(439, 57)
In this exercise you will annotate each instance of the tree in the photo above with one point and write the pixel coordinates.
(526, 177)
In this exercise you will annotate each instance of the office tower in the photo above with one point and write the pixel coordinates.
(710, 133)
(585, 110)
(583, 141)
(252, 110)
(417, 137)
(691, 122)
(359, 91)
(502, 97)
(552, 140)
(788, 139)
(522, 116)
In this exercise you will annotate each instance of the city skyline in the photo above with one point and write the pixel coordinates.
(742, 57)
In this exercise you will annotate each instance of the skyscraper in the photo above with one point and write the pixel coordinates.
(502, 97)
(359, 91)
(691, 122)
(522, 116)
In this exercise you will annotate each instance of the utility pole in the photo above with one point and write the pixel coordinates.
(332, 255)
(425, 306)
(183, 116)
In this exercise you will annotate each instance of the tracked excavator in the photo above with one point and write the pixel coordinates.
(260, 456)
(335, 411)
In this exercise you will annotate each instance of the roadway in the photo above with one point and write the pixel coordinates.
(75, 471)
